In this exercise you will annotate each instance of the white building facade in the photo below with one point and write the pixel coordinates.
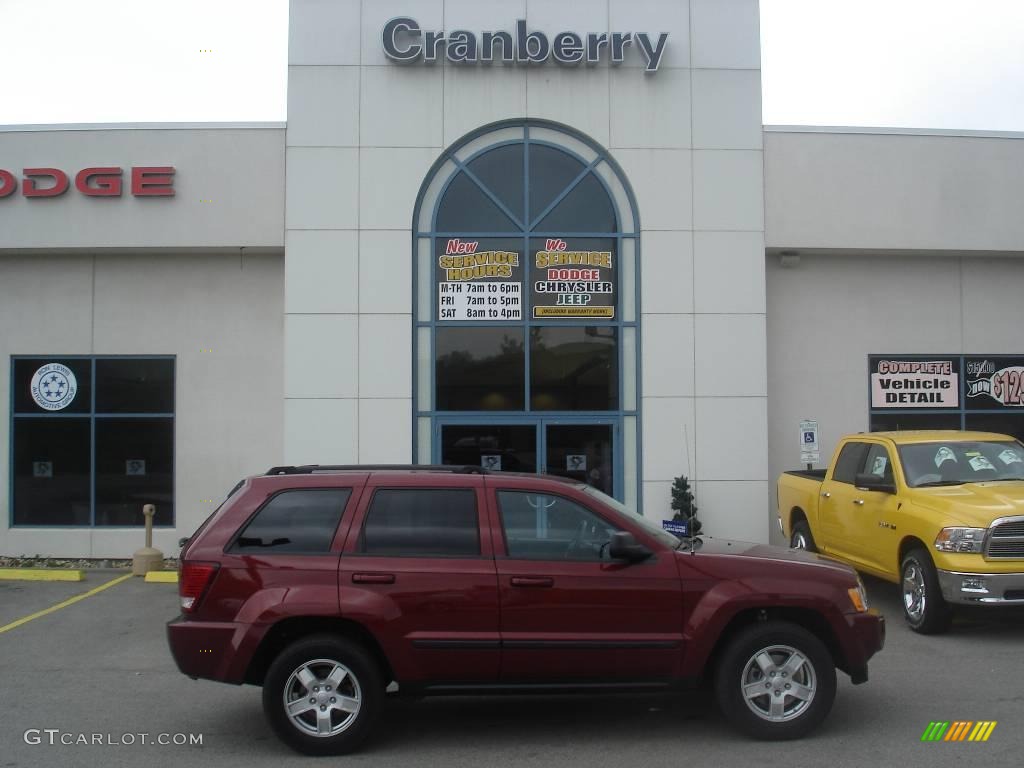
(530, 235)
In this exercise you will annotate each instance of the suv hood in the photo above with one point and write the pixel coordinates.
(976, 504)
(764, 555)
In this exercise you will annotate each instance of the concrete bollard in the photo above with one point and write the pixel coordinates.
(147, 559)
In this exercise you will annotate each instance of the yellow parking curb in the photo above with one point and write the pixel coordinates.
(65, 604)
(41, 574)
(162, 577)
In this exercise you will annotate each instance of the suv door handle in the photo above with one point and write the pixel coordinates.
(859, 502)
(532, 581)
(373, 578)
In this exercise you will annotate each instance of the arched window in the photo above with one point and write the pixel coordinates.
(526, 247)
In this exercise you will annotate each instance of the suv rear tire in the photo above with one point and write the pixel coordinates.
(322, 695)
(775, 681)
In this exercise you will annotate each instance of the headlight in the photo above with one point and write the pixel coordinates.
(960, 540)
(858, 596)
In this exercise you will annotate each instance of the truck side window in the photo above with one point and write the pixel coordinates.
(878, 463)
(850, 460)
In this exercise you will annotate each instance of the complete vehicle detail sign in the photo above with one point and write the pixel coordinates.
(405, 42)
(903, 383)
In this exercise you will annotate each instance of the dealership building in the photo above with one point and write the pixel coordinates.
(526, 235)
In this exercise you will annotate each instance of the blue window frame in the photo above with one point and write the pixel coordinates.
(91, 440)
(522, 187)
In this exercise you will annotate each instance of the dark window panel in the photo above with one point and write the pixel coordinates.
(1003, 423)
(574, 368)
(294, 522)
(586, 209)
(479, 369)
(501, 171)
(51, 471)
(515, 445)
(135, 385)
(551, 171)
(466, 208)
(134, 466)
(422, 522)
(895, 422)
(53, 387)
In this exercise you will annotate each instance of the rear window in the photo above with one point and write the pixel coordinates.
(296, 522)
(422, 522)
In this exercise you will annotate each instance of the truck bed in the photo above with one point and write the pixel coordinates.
(810, 474)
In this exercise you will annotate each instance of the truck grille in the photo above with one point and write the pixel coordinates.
(1006, 539)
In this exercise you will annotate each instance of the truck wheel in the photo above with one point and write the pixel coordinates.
(924, 608)
(801, 537)
(322, 695)
(775, 681)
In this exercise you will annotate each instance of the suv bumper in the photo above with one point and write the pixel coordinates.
(211, 650)
(865, 638)
(994, 588)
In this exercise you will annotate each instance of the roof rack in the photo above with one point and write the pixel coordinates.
(309, 469)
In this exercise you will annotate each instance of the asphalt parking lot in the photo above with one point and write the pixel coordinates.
(101, 666)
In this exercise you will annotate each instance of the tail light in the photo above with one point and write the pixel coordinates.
(193, 581)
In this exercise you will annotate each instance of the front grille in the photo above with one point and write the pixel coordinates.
(1006, 540)
(1015, 528)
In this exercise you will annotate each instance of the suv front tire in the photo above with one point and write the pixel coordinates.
(776, 680)
(322, 695)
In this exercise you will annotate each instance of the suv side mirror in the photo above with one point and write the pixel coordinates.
(624, 546)
(870, 482)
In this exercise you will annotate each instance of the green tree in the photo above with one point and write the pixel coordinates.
(682, 503)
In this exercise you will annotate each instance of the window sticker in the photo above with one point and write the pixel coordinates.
(491, 461)
(576, 462)
(879, 465)
(979, 463)
(943, 454)
(1010, 457)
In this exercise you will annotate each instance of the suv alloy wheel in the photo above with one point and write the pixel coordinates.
(322, 695)
(776, 681)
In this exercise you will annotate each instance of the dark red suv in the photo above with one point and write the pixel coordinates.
(333, 586)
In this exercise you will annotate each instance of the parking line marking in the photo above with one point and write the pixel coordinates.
(65, 604)
(40, 574)
(162, 577)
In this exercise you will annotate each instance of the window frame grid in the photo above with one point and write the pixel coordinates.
(91, 415)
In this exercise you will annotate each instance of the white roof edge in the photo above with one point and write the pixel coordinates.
(893, 131)
(141, 127)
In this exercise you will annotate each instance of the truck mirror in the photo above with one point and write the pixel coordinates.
(869, 482)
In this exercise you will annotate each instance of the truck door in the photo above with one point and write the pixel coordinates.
(838, 507)
(876, 537)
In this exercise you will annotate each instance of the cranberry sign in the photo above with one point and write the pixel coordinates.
(100, 181)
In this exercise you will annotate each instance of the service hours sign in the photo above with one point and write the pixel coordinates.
(479, 279)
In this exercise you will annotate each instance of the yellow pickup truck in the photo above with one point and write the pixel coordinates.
(939, 512)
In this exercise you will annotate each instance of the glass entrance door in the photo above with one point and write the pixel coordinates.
(582, 450)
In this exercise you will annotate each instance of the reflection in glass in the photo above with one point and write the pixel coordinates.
(574, 369)
(551, 171)
(479, 369)
(582, 452)
(587, 208)
(465, 208)
(509, 448)
(501, 171)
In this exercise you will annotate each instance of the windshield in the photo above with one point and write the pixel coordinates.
(649, 526)
(959, 462)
